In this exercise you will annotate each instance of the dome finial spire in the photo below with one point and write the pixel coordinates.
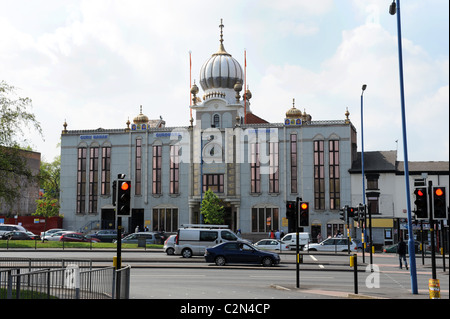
(221, 47)
(221, 31)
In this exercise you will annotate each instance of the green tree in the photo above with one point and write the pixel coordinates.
(212, 209)
(46, 206)
(14, 118)
(49, 177)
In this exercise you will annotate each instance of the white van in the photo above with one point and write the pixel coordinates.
(6, 228)
(194, 239)
(291, 240)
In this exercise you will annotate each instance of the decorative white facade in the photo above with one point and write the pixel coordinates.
(254, 166)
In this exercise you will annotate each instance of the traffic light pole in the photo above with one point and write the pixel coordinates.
(443, 244)
(432, 232)
(363, 233)
(370, 239)
(119, 243)
(297, 218)
(119, 256)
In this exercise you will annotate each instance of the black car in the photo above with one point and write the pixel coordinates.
(240, 253)
(105, 235)
(17, 235)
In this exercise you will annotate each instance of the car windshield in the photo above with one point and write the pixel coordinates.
(228, 235)
(328, 241)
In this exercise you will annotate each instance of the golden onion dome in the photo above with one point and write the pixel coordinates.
(293, 112)
(141, 118)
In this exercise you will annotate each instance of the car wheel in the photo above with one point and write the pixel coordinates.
(267, 262)
(186, 253)
(170, 251)
(220, 261)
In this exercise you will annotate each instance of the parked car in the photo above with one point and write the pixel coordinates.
(332, 244)
(54, 236)
(169, 245)
(6, 228)
(272, 244)
(241, 253)
(393, 248)
(33, 236)
(51, 231)
(150, 238)
(77, 237)
(16, 235)
(163, 236)
(105, 235)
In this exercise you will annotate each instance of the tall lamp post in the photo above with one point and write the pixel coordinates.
(362, 165)
(393, 9)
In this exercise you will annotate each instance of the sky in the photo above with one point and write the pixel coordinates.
(93, 63)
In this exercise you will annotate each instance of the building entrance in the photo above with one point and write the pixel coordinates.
(108, 218)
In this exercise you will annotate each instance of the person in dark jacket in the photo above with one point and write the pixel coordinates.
(401, 251)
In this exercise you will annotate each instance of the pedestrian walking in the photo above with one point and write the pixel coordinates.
(319, 237)
(277, 235)
(401, 251)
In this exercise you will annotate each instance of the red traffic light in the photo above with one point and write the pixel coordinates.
(438, 192)
(420, 193)
(304, 206)
(124, 186)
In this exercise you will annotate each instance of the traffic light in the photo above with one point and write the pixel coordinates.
(114, 192)
(361, 212)
(291, 210)
(421, 203)
(350, 212)
(304, 214)
(439, 204)
(343, 213)
(123, 198)
(356, 214)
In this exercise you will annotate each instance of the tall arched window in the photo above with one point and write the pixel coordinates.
(216, 120)
(319, 175)
(81, 179)
(138, 168)
(294, 167)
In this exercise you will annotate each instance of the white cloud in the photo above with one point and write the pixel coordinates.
(366, 55)
(305, 7)
(94, 62)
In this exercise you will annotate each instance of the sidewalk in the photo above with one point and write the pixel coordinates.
(386, 269)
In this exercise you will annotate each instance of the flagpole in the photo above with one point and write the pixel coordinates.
(245, 86)
(190, 84)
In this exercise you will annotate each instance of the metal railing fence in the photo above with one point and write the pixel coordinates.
(68, 282)
(42, 263)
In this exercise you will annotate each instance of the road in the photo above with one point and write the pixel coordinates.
(324, 276)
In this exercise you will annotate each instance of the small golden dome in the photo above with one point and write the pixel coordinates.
(141, 118)
(293, 112)
(194, 89)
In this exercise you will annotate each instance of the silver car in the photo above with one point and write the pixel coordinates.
(332, 244)
(55, 236)
(150, 238)
(169, 245)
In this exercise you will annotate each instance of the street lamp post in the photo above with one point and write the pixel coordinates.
(393, 9)
(362, 167)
